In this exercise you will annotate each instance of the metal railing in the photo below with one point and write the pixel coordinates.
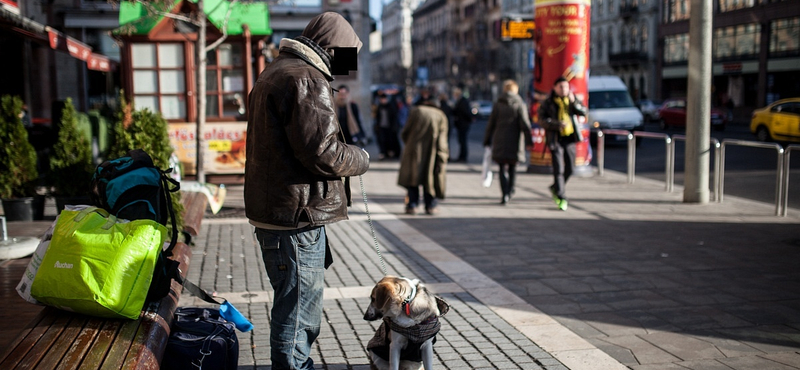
(716, 170)
(601, 150)
(781, 177)
(787, 155)
(754, 144)
(668, 171)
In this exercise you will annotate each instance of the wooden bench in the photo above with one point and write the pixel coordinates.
(194, 208)
(58, 339)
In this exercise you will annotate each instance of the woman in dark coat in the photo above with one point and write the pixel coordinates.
(508, 132)
(424, 160)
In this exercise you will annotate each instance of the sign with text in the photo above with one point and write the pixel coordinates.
(516, 29)
(225, 150)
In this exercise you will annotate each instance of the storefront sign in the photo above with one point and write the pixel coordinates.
(77, 49)
(225, 150)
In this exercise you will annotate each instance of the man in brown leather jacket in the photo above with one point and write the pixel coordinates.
(296, 161)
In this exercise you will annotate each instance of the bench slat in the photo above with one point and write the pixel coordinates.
(27, 340)
(32, 358)
(80, 345)
(120, 345)
(62, 344)
(99, 347)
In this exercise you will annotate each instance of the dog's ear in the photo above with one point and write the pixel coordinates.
(384, 294)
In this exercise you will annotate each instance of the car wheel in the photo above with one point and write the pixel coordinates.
(762, 134)
(662, 124)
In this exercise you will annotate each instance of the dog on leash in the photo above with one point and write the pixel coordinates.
(410, 314)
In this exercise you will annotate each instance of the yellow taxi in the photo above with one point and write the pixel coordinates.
(779, 121)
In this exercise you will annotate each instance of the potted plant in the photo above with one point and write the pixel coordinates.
(17, 162)
(146, 130)
(71, 162)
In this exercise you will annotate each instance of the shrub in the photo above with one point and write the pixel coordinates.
(71, 163)
(17, 156)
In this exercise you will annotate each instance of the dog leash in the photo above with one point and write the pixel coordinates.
(371, 227)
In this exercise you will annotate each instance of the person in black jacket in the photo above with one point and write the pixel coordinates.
(462, 119)
(557, 116)
(387, 127)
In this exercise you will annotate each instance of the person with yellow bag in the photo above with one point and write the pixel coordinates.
(557, 116)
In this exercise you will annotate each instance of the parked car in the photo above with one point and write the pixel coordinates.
(778, 121)
(673, 114)
(649, 109)
(481, 108)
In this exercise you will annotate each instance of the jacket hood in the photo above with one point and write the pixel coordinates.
(307, 54)
(508, 98)
(330, 30)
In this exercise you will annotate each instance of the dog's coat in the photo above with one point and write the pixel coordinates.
(410, 320)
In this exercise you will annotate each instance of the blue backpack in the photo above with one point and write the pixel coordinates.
(133, 188)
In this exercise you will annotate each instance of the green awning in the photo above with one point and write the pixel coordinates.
(136, 19)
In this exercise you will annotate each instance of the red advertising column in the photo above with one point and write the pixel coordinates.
(561, 49)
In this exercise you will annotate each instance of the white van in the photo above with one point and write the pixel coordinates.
(611, 106)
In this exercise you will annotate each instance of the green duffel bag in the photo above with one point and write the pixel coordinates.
(98, 265)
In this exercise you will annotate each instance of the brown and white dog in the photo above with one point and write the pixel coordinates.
(410, 313)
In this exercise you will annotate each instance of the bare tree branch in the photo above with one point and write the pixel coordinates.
(224, 28)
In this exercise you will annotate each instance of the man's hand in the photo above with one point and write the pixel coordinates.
(571, 97)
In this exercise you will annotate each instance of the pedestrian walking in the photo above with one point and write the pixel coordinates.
(424, 161)
(349, 117)
(386, 127)
(462, 120)
(562, 132)
(293, 178)
(508, 132)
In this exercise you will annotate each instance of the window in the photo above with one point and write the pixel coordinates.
(676, 10)
(644, 38)
(159, 79)
(676, 48)
(225, 81)
(784, 36)
(741, 40)
(728, 5)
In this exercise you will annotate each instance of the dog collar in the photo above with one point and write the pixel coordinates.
(407, 301)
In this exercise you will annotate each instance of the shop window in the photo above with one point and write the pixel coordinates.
(159, 79)
(785, 36)
(225, 82)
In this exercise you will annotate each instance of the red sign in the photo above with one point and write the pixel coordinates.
(98, 62)
(77, 49)
(562, 50)
(10, 5)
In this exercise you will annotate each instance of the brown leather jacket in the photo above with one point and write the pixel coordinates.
(296, 154)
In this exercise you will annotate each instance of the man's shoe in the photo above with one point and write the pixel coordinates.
(411, 211)
(562, 204)
(432, 211)
(505, 200)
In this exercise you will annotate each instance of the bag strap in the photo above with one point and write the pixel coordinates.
(165, 185)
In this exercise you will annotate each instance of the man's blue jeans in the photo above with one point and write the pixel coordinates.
(295, 263)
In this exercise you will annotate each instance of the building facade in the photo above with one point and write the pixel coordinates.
(394, 61)
(624, 43)
(756, 51)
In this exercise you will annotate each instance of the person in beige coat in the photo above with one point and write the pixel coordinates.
(508, 132)
(424, 160)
